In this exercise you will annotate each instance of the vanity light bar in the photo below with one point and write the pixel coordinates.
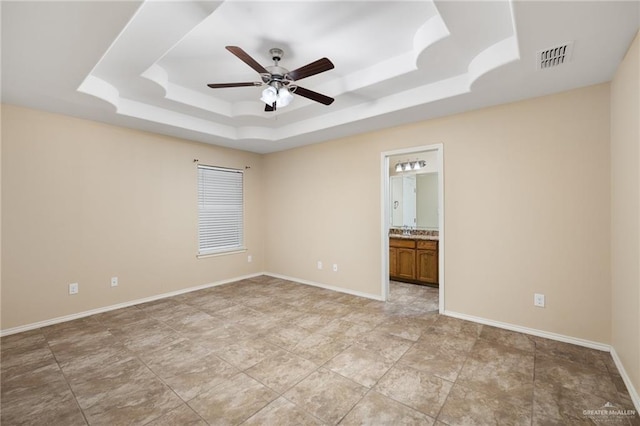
(410, 165)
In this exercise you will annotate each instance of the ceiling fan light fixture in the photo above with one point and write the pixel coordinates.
(284, 97)
(269, 95)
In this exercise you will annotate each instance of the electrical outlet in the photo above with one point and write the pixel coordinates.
(319, 264)
(73, 288)
(538, 300)
(335, 267)
(249, 258)
(114, 281)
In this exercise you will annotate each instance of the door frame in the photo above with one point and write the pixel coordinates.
(385, 222)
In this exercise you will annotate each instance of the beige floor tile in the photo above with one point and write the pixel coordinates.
(17, 360)
(281, 370)
(115, 383)
(508, 338)
(376, 409)
(282, 413)
(246, 353)
(43, 380)
(23, 341)
(366, 317)
(216, 333)
(410, 328)
(568, 352)
(319, 348)
(181, 357)
(346, 330)
(326, 395)
(559, 406)
(468, 407)
(559, 373)
(127, 393)
(499, 370)
(386, 345)
(233, 401)
(436, 359)
(287, 336)
(360, 365)
(99, 365)
(180, 416)
(314, 322)
(70, 331)
(418, 390)
(82, 345)
(455, 327)
(157, 307)
(147, 335)
(202, 347)
(202, 375)
(52, 407)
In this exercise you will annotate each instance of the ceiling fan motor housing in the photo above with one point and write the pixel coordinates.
(276, 54)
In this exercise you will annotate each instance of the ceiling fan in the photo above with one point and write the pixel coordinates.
(280, 82)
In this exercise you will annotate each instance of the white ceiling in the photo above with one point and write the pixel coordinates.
(145, 65)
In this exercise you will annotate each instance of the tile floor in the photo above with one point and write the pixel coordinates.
(266, 351)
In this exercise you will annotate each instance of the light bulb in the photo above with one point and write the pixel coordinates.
(284, 97)
(269, 95)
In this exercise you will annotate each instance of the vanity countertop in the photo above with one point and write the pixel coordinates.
(415, 237)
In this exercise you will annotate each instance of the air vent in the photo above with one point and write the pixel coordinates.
(554, 56)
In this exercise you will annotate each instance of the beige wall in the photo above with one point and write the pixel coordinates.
(84, 201)
(526, 201)
(625, 212)
(526, 210)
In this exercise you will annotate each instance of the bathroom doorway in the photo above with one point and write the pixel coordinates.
(413, 211)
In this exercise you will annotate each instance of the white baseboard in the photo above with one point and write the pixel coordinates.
(633, 393)
(83, 314)
(327, 287)
(534, 332)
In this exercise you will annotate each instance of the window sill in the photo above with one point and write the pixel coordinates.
(221, 253)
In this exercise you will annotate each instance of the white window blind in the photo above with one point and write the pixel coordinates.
(220, 210)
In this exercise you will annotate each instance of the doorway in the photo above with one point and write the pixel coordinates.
(388, 160)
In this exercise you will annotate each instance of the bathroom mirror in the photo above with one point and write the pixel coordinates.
(413, 194)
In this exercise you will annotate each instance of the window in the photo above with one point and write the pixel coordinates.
(220, 210)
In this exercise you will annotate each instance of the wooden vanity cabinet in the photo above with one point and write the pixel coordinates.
(427, 261)
(413, 260)
(402, 258)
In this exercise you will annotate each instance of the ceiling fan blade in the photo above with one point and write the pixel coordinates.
(321, 65)
(244, 57)
(223, 85)
(269, 108)
(314, 96)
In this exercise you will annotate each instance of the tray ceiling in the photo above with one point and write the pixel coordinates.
(146, 64)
